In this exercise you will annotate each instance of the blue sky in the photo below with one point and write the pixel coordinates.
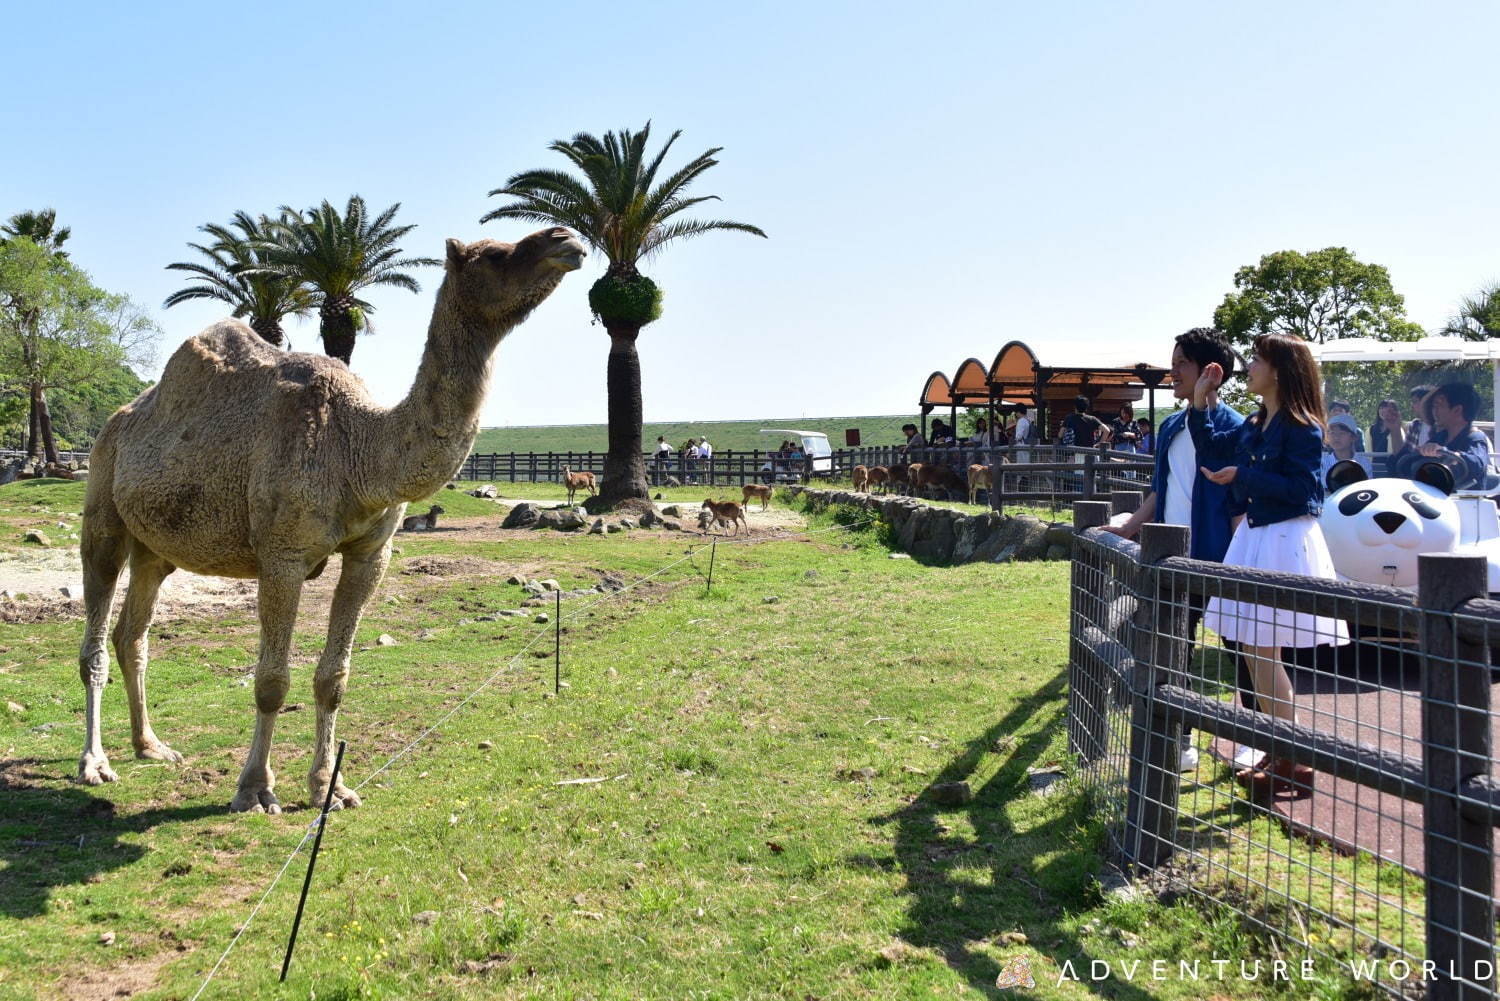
(935, 179)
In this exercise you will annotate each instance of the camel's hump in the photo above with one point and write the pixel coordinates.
(229, 353)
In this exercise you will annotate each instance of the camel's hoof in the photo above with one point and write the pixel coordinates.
(157, 751)
(343, 798)
(94, 771)
(255, 800)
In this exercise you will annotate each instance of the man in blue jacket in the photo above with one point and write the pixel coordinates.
(1450, 410)
(1180, 493)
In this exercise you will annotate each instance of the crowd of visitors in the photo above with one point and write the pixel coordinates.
(1250, 491)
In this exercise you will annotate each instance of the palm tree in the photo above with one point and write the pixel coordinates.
(337, 256)
(1478, 316)
(235, 276)
(41, 229)
(615, 207)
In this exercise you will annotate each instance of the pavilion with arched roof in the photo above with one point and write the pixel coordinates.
(1018, 377)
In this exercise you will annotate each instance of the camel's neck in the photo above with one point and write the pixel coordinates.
(424, 439)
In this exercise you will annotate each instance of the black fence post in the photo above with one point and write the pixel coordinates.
(1460, 852)
(1161, 649)
(1086, 722)
(1125, 502)
(1088, 475)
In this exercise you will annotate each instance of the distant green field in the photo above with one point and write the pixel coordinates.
(722, 435)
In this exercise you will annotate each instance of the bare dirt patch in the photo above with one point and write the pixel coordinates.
(119, 980)
(451, 566)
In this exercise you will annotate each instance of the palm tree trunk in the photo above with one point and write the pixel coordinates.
(270, 331)
(337, 330)
(624, 469)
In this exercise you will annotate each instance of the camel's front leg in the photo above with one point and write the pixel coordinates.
(147, 571)
(358, 580)
(103, 550)
(280, 589)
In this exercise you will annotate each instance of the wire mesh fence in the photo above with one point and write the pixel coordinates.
(1315, 755)
(1046, 475)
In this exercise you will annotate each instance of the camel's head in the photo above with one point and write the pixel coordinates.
(504, 282)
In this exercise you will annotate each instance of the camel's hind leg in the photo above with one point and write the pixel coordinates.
(361, 575)
(279, 591)
(147, 571)
(103, 547)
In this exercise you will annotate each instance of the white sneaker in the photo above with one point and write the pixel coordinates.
(1187, 760)
(1246, 757)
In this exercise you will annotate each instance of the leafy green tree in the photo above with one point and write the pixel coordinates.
(1478, 316)
(1319, 296)
(234, 275)
(337, 255)
(58, 330)
(41, 229)
(621, 210)
(79, 412)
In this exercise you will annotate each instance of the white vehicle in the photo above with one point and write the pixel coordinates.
(1456, 521)
(818, 459)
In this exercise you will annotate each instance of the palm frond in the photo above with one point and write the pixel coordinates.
(617, 205)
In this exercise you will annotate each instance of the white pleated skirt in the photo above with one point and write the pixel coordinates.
(1294, 546)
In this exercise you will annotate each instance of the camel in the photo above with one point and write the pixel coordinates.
(247, 461)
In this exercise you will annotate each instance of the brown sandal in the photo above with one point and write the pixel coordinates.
(1280, 775)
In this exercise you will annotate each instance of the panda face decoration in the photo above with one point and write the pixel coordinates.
(1377, 528)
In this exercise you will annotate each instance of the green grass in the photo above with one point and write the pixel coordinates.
(766, 830)
(39, 504)
(723, 435)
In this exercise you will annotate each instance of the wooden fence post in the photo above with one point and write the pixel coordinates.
(1125, 502)
(1161, 648)
(1086, 722)
(1460, 852)
(1088, 475)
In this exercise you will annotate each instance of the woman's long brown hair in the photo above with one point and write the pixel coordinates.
(1299, 382)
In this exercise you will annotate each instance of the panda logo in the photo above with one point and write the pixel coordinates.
(1376, 528)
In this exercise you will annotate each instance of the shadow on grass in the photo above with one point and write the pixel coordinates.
(52, 837)
(952, 915)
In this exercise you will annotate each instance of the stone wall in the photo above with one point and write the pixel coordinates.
(943, 535)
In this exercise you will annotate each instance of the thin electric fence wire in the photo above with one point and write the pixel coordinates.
(312, 827)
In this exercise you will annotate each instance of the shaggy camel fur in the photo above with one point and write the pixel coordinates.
(578, 481)
(247, 461)
(859, 478)
(422, 522)
(758, 490)
(979, 479)
(726, 513)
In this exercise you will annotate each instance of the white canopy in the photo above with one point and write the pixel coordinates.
(1433, 349)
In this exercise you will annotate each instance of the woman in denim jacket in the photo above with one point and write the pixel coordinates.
(1276, 494)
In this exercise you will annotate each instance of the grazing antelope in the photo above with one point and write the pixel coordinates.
(979, 479)
(936, 476)
(578, 481)
(422, 522)
(726, 513)
(760, 490)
